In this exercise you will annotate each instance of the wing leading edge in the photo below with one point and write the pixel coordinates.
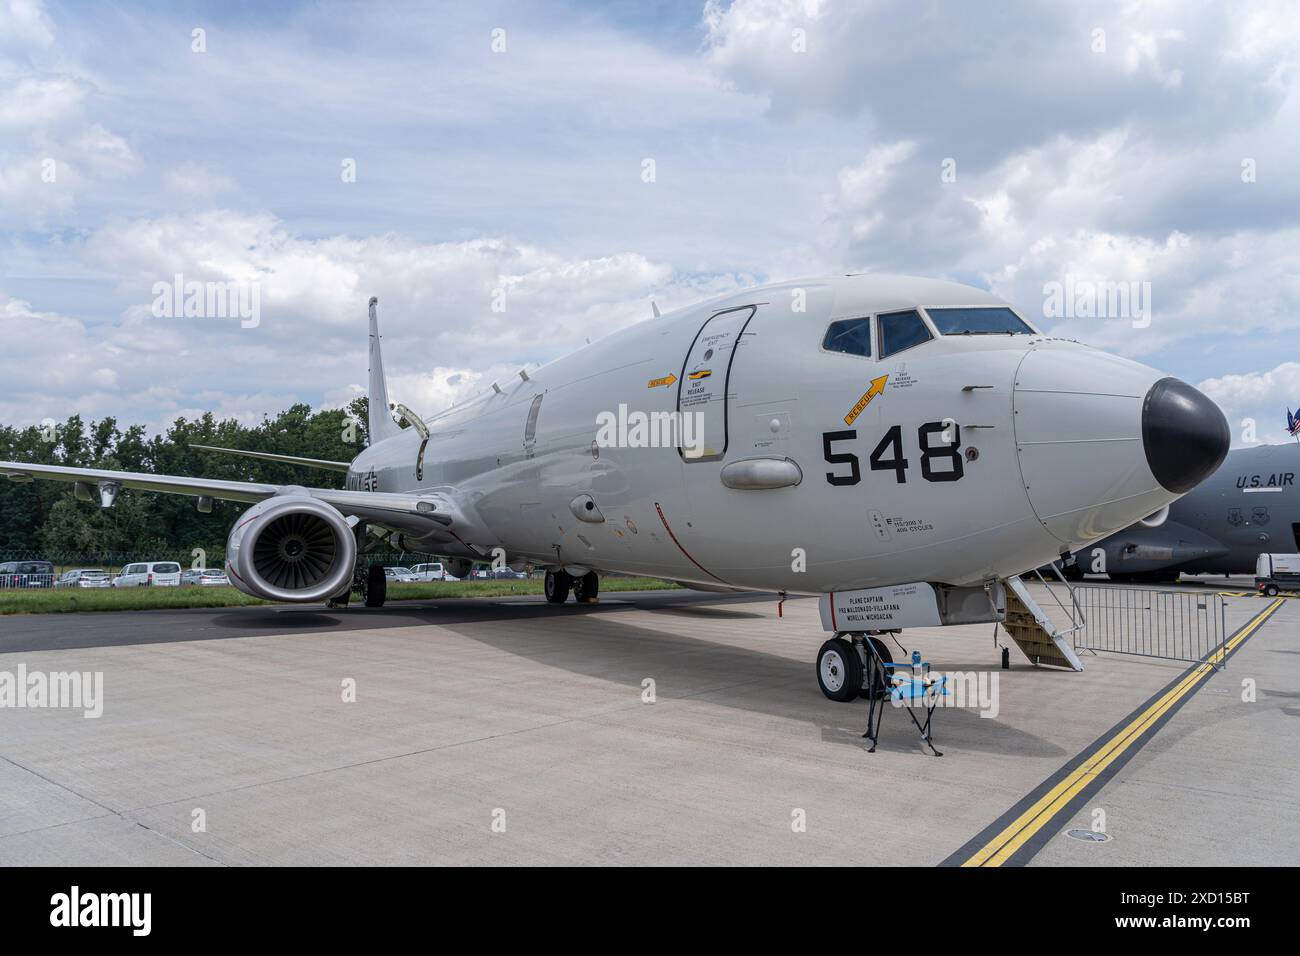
(417, 514)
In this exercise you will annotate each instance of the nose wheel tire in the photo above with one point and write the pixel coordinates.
(376, 586)
(586, 587)
(557, 586)
(839, 670)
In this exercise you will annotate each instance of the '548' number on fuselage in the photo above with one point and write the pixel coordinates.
(940, 461)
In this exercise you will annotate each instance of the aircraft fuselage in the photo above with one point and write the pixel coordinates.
(957, 460)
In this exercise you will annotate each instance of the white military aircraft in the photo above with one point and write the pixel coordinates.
(819, 436)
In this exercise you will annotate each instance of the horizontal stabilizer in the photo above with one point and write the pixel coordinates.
(285, 459)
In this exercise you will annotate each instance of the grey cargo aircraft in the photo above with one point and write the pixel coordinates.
(821, 437)
(1251, 505)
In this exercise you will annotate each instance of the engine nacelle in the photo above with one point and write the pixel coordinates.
(1155, 520)
(459, 567)
(291, 548)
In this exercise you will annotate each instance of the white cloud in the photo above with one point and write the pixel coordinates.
(861, 185)
(1258, 399)
(34, 103)
(1001, 77)
(50, 151)
(446, 291)
(24, 25)
(1143, 55)
(444, 340)
(521, 172)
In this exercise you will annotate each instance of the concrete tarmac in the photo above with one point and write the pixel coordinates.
(667, 727)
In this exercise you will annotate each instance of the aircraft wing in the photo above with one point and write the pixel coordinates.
(249, 491)
(414, 513)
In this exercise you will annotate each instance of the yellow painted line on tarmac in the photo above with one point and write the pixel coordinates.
(1003, 846)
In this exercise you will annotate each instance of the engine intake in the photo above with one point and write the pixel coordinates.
(291, 548)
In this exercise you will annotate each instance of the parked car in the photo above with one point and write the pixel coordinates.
(399, 575)
(26, 574)
(84, 578)
(158, 574)
(509, 574)
(430, 572)
(206, 577)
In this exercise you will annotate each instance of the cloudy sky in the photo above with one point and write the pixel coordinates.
(432, 154)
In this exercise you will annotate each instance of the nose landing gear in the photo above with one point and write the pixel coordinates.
(839, 670)
(852, 665)
(847, 669)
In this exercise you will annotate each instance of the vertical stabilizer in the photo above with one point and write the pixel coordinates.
(381, 424)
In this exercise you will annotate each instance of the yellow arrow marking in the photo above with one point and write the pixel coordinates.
(877, 388)
(666, 380)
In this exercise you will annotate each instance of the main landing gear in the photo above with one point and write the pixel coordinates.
(584, 587)
(368, 580)
(847, 670)
(376, 586)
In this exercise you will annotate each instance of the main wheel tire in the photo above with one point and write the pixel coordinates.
(376, 586)
(557, 586)
(839, 670)
(875, 683)
(586, 587)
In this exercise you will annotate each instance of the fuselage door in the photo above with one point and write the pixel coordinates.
(530, 426)
(702, 387)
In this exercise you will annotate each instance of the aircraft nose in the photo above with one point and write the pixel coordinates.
(1103, 441)
(1184, 434)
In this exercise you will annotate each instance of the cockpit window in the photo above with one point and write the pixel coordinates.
(851, 336)
(994, 321)
(901, 330)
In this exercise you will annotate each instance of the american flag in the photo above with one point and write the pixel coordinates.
(1293, 422)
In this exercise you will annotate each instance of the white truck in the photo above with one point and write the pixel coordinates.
(1277, 572)
(430, 572)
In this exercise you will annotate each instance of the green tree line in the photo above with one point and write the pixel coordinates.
(45, 519)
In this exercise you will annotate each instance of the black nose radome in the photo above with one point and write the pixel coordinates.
(1184, 434)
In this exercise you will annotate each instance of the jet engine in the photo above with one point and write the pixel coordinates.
(459, 567)
(291, 548)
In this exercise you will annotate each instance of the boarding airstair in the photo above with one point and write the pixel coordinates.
(1034, 632)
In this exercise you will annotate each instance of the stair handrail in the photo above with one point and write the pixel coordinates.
(1075, 611)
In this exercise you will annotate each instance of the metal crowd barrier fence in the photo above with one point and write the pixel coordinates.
(1151, 622)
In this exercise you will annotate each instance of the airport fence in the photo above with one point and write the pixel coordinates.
(1152, 622)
